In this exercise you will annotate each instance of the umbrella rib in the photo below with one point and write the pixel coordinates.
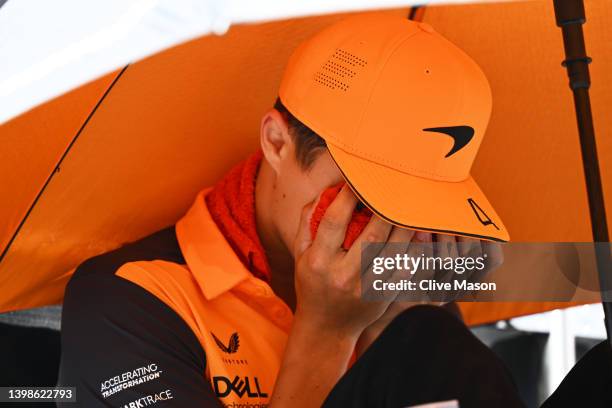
(61, 160)
(416, 13)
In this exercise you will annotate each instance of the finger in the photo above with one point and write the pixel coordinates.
(466, 245)
(446, 247)
(421, 247)
(494, 252)
(332, 229)
(445, 250)
(478, 274)
(394, 276)
(371, 264)
(402, 235)
(422, 236)
(377, 231)
(398, 242)
(396, 245)
(303, 238)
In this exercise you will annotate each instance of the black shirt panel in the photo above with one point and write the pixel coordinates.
(121, 345)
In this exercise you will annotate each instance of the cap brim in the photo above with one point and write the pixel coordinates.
(457, 208)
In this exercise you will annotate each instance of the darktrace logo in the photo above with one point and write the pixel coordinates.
(240, 386)
(460, 134)
(232, 346)
(480, 214)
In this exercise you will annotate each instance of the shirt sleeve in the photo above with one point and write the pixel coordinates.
(123, 347)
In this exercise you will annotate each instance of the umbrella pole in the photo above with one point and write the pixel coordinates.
(570, 17)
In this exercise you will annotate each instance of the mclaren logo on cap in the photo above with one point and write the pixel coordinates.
(460, 134)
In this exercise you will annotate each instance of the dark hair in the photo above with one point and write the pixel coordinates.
(308, 145)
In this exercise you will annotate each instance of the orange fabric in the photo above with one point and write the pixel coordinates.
(358, 222)
(33, 144)
(232, 206)
(403, 112)
(216, 294)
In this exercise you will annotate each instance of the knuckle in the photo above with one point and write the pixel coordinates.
(317, 262)
(404, 235)
(330, 222)
(374, 236)
(344, 285)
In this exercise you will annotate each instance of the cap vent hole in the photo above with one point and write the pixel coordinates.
(349, 58)
(330, 82)
(339, 70)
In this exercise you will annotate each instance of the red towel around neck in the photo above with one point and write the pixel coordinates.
(361, 216)
(231, 204)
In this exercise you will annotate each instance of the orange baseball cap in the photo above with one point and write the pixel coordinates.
(403, 112)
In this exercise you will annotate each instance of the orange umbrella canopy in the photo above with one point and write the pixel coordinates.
(124, 155)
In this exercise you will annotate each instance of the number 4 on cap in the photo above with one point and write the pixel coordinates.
(480, 214)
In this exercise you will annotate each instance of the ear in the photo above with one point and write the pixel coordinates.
(275, 139)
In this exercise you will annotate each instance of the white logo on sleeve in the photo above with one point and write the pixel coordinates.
(129, 379)
(149, 400)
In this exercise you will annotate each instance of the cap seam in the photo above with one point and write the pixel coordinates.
(378, 75)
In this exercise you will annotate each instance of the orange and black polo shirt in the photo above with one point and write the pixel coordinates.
(173, 318)
(176, 320)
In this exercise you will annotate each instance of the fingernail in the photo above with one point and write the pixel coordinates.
(423, 236)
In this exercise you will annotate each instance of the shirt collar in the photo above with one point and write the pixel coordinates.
(209, 256)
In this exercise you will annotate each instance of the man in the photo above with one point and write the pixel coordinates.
(239, 305)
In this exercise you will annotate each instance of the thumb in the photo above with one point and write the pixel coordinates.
(303, 238)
